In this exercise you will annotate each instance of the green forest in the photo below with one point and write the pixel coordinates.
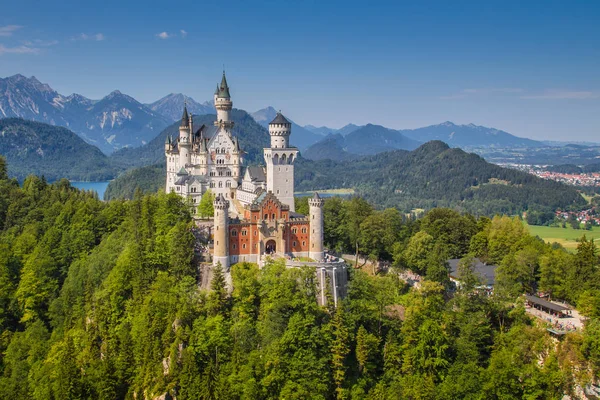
(36, 148)
(100, 300)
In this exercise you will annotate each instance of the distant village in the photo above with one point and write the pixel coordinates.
(575, 179)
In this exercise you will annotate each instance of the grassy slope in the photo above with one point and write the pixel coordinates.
(565, 236)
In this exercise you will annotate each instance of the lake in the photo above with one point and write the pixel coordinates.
(98, 187)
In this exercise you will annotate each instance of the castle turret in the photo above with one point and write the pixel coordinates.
(316, 227)
(223, 104)
(185, 138)
(280, 159)
(221, 232)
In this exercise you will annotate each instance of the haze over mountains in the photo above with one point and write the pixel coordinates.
(110, 123)
(171, 106)
(118, 120)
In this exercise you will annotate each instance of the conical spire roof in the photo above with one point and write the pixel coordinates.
(185, 118)
(223, 88)
(279, 119)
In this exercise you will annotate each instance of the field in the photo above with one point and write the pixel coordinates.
(566, 236)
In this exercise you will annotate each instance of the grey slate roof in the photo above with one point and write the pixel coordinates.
(207, 131)
(545, 303)
(279, 119)
(189, 179)
(485, 271)
(223, 88)
(185, 118)
(257, 174)
(182, 171)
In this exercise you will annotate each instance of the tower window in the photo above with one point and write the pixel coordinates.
(303, 243)
(234, 233)
(273, 216)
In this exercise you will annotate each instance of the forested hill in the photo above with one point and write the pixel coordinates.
(55, 152)
(101, 300)
(436, 175)
(252, 136)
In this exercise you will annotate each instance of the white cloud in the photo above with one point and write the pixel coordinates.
(163, 35)
(183, 33)
(40, 42)
(8, 30)
(471, 92)
(553, 94)
(98, 37)
(18, 50)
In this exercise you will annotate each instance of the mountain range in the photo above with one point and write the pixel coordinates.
(119, 120)
(353, 140)
(36, 148)
(171, 106)
(110, 123)
(301, 137)
(368, 139)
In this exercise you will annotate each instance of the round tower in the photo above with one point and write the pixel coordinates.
(185, 139)
(316, 227)
(280, 130)
(221, 232)
(223, 103)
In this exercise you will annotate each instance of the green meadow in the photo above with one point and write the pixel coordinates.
(568, 236)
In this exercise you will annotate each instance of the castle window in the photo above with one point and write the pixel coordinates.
(303, 230)
(294, 244)
(212, 184)
(303, 243)
(234, 233)
(266, 216)
(294, 230)
(234, 246)
(273, 215)
(228, 184)
(254, 233)
(244, 246)
(220, 184)
(313, 245)
(244, 232)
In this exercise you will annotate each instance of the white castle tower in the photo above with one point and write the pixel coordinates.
(223, 104)
(221, 232)
(316, 227)
(185, 138)
(280, 159)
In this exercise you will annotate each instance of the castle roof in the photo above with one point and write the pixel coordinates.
(189, 179)
(185, 118)
(279, 119)
(316, 196)
(256, 174)
(223, 89)
(182, 171)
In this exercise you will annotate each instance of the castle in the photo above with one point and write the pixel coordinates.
(254, 214)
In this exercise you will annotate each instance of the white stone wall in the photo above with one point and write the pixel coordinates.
(280, 174)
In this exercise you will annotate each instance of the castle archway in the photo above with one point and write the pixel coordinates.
(270, 247)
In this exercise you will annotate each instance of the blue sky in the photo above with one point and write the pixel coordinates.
(530, 68)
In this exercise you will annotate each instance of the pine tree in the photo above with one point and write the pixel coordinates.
(218, 296)
(339, 351)
(205, 208)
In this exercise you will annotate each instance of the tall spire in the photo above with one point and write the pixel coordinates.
(223, 88)
(185, 118)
